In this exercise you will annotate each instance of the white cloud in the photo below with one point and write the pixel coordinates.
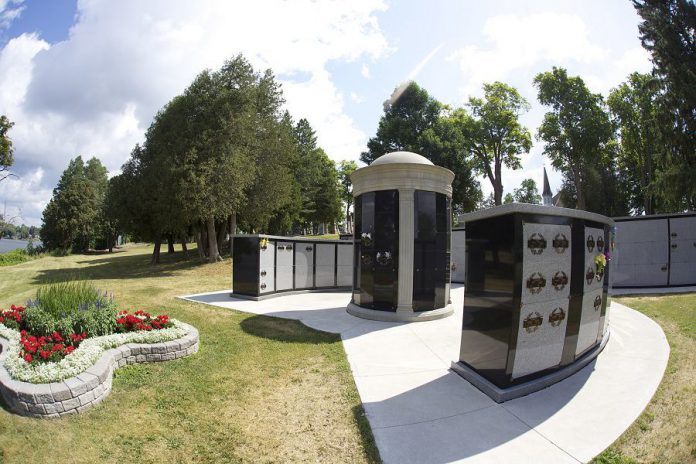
(365, 71)
(636, 59)
(96, 93)
(25, 197)
(356, 98)
(519, 42)
(9, 11)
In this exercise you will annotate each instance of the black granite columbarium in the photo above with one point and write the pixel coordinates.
(267, 265)
(536, 295)
(376, 250)
(402, 239)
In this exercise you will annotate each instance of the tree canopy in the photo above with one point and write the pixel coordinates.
(415, 121)
(493, 133)
(72, 217)
(577, 130)
(668, 33)
(6, 151)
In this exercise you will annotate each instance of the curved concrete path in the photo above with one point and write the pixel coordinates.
(421, 412)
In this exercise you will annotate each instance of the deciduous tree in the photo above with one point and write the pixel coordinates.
(494, 134)
(577, 130)
(6, 151)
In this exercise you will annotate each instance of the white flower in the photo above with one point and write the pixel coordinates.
(83, 357)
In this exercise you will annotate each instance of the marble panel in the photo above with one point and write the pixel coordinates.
(540, 336)
(589, 320)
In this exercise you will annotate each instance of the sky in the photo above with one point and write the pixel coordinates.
(86, 77)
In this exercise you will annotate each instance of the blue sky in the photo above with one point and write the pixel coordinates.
(86, 77)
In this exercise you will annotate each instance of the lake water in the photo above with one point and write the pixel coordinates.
(7, 244)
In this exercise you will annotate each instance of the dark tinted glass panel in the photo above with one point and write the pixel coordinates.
(245, 275)
(367, 242)
(431, 250)
(386, 250)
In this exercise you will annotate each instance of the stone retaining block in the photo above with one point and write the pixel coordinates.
(86, 390)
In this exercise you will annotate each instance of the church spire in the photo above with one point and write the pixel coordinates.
(546, 194)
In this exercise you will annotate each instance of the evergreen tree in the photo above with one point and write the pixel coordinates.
(72, 217)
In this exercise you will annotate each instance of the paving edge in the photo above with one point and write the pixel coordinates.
(84, 391)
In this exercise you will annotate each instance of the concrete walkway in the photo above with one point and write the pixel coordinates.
(421, 412)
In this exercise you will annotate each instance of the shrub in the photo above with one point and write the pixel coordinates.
(14, 257)
(66, 297)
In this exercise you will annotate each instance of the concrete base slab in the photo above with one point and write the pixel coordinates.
(420, 411)
(651, 290)
(500, 395)
(399, 316)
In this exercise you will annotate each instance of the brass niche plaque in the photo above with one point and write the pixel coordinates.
(560, 243)
(536, 283)
(559, 281)
(384, 258)
(600, 243)
(597, 303)
(536, 244)
(556, 317)
(590, 243)
(589, 276)
(532, 322)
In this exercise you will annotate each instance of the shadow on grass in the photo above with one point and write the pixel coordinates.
(118, 266)
(366, 436)
(285, 330)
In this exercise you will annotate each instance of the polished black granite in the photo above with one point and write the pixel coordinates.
(376, 252)
(492, 303)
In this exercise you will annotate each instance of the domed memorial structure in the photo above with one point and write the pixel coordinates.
(402, 239)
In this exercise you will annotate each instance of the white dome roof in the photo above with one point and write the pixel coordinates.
(401, 157)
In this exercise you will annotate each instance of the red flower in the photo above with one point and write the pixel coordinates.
(27, 357)
(45, 354)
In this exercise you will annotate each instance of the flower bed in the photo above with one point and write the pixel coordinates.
(58, 340)
(83, 379)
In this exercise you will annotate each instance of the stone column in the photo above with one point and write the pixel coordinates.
(406, 236)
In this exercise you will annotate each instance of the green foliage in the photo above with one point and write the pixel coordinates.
(507, 199)
(14, 257)
(65, 297)
(527, 193)
(667, 32)
(345, 169)
(634, 107)
(415, 121)
(6, 151)
(70, 307)
(72, 217)
(493, 133)
(579, 140)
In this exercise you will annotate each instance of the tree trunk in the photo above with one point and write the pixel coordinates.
(170, 243)
(233, 230)
(221, 231)
(110, 242)
(200, 241)
(213, 252)
(497, 185)
(183, 247)
(156, 251)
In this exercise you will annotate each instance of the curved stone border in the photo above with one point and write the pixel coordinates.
(78, 394)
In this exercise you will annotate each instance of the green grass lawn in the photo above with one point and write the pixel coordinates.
(270, 390)
(666, 431)
(260, 389)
